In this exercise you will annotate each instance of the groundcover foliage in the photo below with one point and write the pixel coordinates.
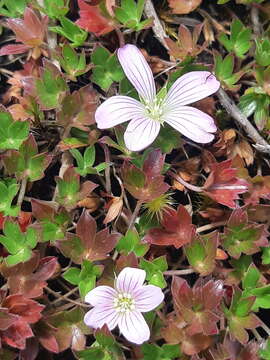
(134, 179)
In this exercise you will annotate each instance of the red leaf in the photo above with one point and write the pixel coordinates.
(222, 185)
(153, 164)
(198, 306)
(14, 49)
(92, 20)
(29, 278)
(28, 310)
(30, 30)
(88, 245)
(146, 184)
(17, 334)
(6, 319)
(177, 230)
(24, 219)
(96, 245)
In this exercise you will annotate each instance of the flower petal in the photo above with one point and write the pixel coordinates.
(98, 316)
(148, 297)
(101, 295)
(137, 71)
(116, 110)
(134, 328)
(191, 87)
(130, 279)
(193, 123)
(140, 133)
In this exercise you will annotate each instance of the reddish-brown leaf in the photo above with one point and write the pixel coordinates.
(147, 183)
(28, 310)
(198, 306)
(92, 19)
(29, 278)
(16, 334)
(177, 229)
(175, 333)
(183, 6)
(223, 185)
(87, 244)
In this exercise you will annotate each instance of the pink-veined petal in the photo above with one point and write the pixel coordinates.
(133, 327)
(191, 87)
(116, 110)
(140, 133)
(148, 297)
(99, 315)
(130, 279)
(101, 295)
(137, 71)
(193, 123)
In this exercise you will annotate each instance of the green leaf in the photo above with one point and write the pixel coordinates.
(262, 52)
(8, 191)
(239, 41)
(71, 31)
(89, 156)
(131, 243)
(244, 306)
(72, 275)
(266, 256)
(154, 271)
(17, 243)
(13, 9)
(55, 8)
(100, 55)
(84, 277)
(130, 13)
(107, 68)
(49, 88)
(251, 278)
(12, 133)
(168, 139)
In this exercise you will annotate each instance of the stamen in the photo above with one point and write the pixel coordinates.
(124, 303)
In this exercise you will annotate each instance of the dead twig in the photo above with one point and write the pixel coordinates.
(158, 30)
(261, 144)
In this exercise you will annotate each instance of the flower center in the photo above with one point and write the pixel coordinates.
(154, 110)
(124, 303)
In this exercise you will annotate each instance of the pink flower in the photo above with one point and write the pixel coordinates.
(124, 304)
(153, 111)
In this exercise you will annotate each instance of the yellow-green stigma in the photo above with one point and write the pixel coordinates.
(124, 303)
(154, 110)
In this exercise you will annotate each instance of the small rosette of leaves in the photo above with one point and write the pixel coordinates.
(26, 163)
(240, 316)
(87, 243)
(70, 191)
(106, 68)
(12, 132)
(86, 162)
(19, 244)
(130, 13)
(239, 41)
(147, 183)
(241, 236)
